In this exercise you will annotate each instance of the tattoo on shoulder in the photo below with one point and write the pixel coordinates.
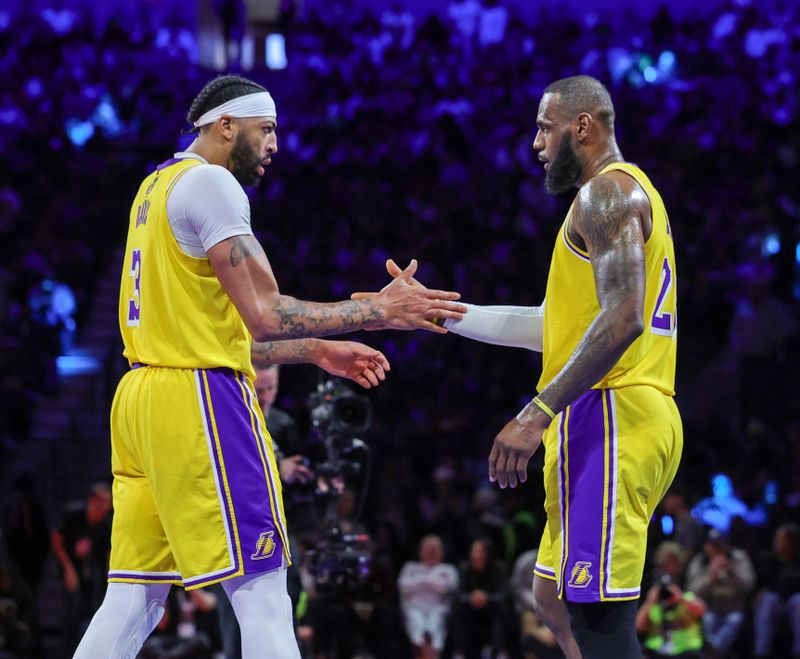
(603, 209)
(242, 247)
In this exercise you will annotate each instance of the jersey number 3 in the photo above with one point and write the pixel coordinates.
(134, 303)
(664, 321)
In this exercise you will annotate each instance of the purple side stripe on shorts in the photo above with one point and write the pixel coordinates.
(613, 479)
(586, 455)
(218, 469)
(252, 403)
(610, 509)
(261, 552)
(562, 500)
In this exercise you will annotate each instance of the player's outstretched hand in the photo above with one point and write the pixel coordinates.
(410, 305)
(511, 452)
(394, 271)
(355, 361)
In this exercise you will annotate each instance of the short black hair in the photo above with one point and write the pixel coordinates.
(218, 91)
(584, 94)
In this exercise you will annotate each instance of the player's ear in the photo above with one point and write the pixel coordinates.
(582, 126)
(226, 125)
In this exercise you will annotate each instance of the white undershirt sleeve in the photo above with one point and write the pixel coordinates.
(518, 327)
(206, 206)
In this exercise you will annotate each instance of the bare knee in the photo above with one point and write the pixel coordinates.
(545, 601)
(553, 613)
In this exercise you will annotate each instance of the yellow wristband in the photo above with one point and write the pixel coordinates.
(538, 402)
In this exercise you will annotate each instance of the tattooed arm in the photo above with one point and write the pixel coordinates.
(608, 219)
(293, 351)
(245, 274)
(346, 359)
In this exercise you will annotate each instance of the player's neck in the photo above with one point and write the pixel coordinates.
(210, 152)
(599, 162)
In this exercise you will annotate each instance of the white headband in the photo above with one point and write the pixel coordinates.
(251, 105)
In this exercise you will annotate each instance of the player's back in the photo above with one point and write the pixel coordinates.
(571, 304)
(173, 310)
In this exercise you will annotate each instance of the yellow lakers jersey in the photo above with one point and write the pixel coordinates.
(571, 304)
(173, 310)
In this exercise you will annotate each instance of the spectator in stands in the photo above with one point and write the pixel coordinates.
(427, 588)
(483, 601)
(27, 535)
(82, 544)
(724, 505)
(759, 329)
(670, 620)
(464, 15)
(492, 23)
(488, 519)
(536, 640)
(722, 576)
(778, 599)
(688, 530)
(281, 426)
(180, 633)
(18, 625)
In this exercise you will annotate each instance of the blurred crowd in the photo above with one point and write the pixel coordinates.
(409, 137)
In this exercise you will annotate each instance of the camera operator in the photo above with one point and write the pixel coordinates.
(670, 620)
(723, 576)
(282, 428)
(351, 586)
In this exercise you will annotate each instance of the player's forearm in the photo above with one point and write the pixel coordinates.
(289, 318)
(512, 326)
(291, 351)
(606, 340)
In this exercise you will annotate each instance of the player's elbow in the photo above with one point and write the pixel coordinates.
(263, 323)
(265, 327)
(630, 323)
(636, 327)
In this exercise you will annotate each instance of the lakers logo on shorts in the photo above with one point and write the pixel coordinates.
(265, 546)
(581, 577)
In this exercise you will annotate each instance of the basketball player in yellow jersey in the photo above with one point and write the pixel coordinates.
(605, 412)
(197, 498)
(612, 433)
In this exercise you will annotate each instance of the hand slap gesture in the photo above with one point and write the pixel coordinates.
(409, 305)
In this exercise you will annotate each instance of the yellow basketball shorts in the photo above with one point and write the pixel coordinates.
(609, 459)
(197, 496)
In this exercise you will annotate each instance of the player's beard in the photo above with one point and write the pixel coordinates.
(245, 162)
(565, 169)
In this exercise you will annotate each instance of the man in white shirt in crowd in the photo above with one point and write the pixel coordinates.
(426, 589)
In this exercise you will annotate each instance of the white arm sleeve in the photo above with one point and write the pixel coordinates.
(206, 206)
(518, 327)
